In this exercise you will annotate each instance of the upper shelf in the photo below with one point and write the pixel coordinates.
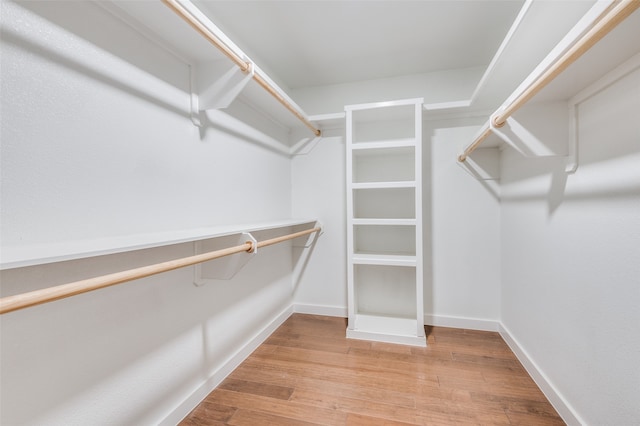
(30, 255)
(606, 36)
(524, 47)
(618, 46)
(159, 23)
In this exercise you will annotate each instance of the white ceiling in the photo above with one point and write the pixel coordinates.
(317, 42)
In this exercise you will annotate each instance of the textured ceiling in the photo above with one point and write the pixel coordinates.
(316, 43)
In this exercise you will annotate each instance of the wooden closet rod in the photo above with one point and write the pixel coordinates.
(613, 16)
(38, 297)
(244, 65)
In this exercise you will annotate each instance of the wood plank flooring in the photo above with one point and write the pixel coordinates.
(308, 373)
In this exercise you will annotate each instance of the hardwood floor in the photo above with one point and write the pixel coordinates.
(308, 373)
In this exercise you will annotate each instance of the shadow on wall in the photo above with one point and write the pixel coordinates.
(94, 25)
(62, 351)
(475, 167)
(546, 179)
(103, 30)
(557, 190)
(72, 64)
(242, 125)
(302, 254)
(607, 154)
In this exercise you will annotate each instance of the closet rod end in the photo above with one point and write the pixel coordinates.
(497, 123)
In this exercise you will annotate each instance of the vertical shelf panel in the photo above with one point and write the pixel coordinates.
(384, 222)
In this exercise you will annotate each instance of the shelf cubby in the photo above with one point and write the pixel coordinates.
(385, 290)
(397, 240)
(384, 203)
(384, 123)
(384, 164)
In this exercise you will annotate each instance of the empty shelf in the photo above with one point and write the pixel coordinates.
(386, 329)
(384, 259)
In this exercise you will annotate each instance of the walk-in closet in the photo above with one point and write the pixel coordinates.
(319, 212)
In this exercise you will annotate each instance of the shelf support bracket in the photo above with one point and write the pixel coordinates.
(550, 121)
(219, 83)
(193, 99)
(311, 238)
(224, 268)
(572, 155)
(305, 146)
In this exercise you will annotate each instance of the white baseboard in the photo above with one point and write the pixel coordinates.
(563, 408)
(461, 322)
(330, 311)
(227, 368)
(559, 403)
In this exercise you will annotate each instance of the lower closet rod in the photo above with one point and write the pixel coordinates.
(38, 297)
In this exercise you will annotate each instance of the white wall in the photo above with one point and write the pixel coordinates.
(462, 275)
(434, 87)
(461, 223)
(318, 190)
(96, 143)
(570, 269)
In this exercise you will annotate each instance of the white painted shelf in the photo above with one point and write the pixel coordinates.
(399, 143)
(384, 259)
(384, 185)
(387, 222)
(30, 255)
(386, 329)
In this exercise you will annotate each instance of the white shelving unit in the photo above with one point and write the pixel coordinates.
(384, 222)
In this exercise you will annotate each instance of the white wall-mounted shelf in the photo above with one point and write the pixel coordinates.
(586, 54)
(388, 329)
(383, 222)
(209, 67)
(381, 259)
(384, 185)
(397, 143)
(30, 255)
